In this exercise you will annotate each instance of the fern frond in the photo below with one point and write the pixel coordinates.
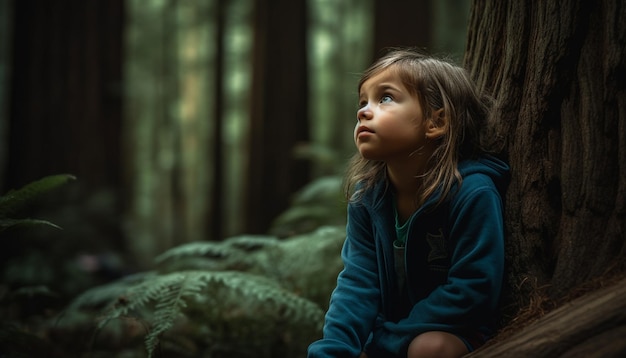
(34, 291)
(167, 292)
(199, 248)
(212, 292)
(252, 242)
(11, 223)
(15, 200)
(218, 249)
(108, 294)
(169, 306)
(244, 287)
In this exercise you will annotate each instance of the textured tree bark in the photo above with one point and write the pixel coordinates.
(590, 326)
(557, 70)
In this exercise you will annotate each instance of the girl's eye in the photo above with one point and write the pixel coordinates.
(386, 99)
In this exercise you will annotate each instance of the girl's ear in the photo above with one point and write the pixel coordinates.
(437, 125)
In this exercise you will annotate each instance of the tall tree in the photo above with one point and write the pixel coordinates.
(168, 124)
(406, 23)
(216, 209)
(65, 98)
(6, 29)
(341, 40)
(279, 114)
(557, 69)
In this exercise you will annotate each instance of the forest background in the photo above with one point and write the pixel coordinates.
(180, 122)
(203, 144)
(194, 120)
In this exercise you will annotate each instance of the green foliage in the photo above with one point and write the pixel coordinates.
(15, 201)
(23, 299)
(205, 298)
(217, 249)
(107, 294)
(202, 298)
(249, 253)
(319, 203)
(33, 291)
(162, 299)
(307, 263)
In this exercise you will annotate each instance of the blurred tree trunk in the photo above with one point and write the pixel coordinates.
(558, 72)
(65, 100)
(341, 39)
(6, 40)
(279, 113)
(217, 208)
(404, 23)
(168, 124)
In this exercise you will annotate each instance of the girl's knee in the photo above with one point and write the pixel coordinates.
(436, 344)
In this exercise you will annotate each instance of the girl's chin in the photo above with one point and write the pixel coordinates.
(368, 155)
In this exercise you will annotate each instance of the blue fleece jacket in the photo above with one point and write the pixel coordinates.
(454, 258)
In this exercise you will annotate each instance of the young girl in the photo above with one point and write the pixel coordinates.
(424, 253)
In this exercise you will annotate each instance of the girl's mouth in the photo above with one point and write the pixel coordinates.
(363, 130)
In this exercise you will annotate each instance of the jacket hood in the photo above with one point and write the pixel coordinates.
(490, 166)
(496, 169)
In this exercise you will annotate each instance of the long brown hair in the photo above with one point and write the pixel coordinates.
(436, 83)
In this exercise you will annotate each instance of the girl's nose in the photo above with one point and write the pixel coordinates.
(364, 113)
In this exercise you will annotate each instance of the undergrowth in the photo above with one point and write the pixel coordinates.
(160, 299)
(202, 299)
(14, 202)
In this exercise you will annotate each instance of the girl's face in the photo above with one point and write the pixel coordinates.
(390, 119)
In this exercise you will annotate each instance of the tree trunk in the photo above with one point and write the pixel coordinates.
(590, 326)
(557, 70)
(170, 93)
(217, 203)
(65, 99)
(6, 30)
(406, 23)
(279, 111)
